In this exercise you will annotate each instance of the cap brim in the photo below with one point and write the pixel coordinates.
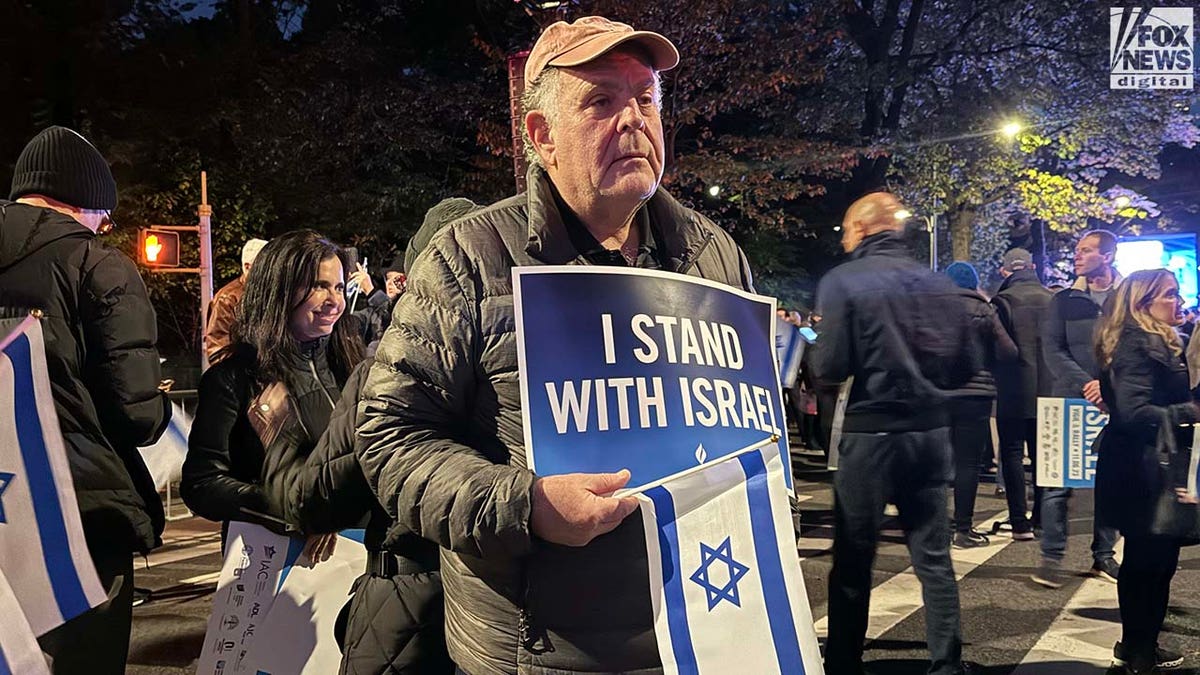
(663, 54)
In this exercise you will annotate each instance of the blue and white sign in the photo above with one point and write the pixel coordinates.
(42, 548)
(1067, 428)
(650, 371)
(723, 562)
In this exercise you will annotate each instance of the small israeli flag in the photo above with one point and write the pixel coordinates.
(42, 549)
(725, 578)
(19, 651)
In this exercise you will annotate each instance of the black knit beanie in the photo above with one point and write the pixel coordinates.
(62, 165)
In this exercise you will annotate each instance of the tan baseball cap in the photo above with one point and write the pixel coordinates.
(573, 44)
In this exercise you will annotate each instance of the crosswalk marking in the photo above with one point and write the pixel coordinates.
(1077, 638)
(900, 596)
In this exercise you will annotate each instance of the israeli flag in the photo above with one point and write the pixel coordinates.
(725, 578)
(19, 651)
(42, 549)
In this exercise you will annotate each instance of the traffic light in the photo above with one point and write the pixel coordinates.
(158, 248)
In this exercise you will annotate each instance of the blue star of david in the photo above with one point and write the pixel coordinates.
(724, 554)
(5, 480)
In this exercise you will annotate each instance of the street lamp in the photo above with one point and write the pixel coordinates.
(931, 226)
(1122, 202)
(1011, 129)
(714, 190)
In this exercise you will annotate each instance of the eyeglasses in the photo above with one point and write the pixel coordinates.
(106, 223)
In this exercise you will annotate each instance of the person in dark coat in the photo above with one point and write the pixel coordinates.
(971, 406)
(222, 311)
(100, 339)
(1021, 304)
(1067, 343)
(1144, 381)
(395, 616)
(905, 336)
(268, 401)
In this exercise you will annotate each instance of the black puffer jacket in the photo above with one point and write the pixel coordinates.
(442, 444)
(1021, 304)
(1145, 386)
(226, 460)
(995, 346)
(100, 336)
(395, 622)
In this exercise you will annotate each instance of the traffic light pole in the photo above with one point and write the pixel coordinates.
(206, 263)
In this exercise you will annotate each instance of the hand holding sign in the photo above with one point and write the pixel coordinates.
(574, 508)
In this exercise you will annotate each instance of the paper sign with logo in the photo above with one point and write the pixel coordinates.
(1066, 430)
(269, 594)
(650, 371)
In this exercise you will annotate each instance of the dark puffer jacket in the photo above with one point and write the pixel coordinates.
(1021, 304)
(442, 445)
(996, 348)
(395, 622)
(100, 336)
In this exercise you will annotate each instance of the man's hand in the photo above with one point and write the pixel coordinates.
(363, 279)
(1091, 391)
(575, 508)
(319, 547)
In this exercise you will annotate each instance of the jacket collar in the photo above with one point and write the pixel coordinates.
(1081, 282)
(678, 231)
(1020, 277)
(889, 244)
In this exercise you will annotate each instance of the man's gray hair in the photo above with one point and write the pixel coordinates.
(544, 95)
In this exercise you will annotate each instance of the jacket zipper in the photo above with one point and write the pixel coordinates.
(312, 368)
(691, 260)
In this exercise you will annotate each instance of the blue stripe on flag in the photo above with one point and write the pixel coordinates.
(56, 549)
(770, 568)
(676, 605)
(4, 667)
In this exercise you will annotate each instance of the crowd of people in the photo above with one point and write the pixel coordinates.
(404, 416)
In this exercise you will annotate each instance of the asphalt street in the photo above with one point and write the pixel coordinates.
(1010, 624)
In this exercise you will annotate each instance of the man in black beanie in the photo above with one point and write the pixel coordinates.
(100, 335)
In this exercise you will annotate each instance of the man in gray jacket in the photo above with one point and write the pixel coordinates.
(541, 574)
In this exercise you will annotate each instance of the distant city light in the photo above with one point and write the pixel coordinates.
(714, 190)
(903, 214)
(837, 228)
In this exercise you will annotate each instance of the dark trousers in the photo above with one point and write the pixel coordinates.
(1015, 434)
(911, 470)
(969, 432)
(1143, 589)
(97, 641)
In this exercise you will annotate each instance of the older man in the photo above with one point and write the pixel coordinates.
(542, 574)
(905, 335)
(223, 309)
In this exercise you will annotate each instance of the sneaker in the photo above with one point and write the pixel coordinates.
(1024, 534)
(1106, 570)
(1049, 575)
(969, 539)
(1164, 659)
(1000, 492)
